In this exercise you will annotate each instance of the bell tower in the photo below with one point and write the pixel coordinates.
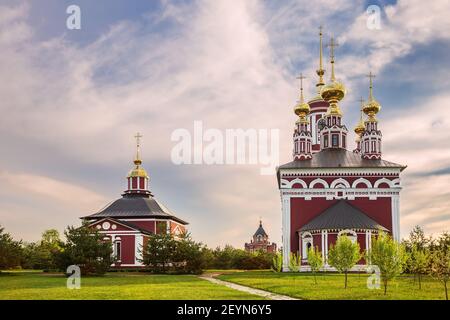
(302, 135)
(371, 138)
(333, 133)
(137, 178)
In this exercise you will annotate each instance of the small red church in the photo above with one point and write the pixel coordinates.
(129, 221)
(327, 190)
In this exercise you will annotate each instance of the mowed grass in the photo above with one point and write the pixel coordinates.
(114, 286)
(331, 286)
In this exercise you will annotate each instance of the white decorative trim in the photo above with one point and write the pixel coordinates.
(318, 180)
(138, 248)
(395, 211)
(338, 182)
(361, 180)
(383, 180)
(344, 171)
(286, 223)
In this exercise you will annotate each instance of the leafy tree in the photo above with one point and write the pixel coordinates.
(418, 239)
(277, 262)
(344, 255)
(389, 256)
(40, 255)
(440, 261)
(85, 248)
(159, 252)
(315, 261)
(418, 262)
(10, 251)
(189, 256)
(294, 262)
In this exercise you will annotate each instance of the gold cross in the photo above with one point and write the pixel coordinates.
(301, 77)
(138, 137)
(370, 76)
(332, 44)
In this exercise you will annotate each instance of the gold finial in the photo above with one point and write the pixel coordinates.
(320, 72)
(138, 160)
(372, 107)
(360, 128)
(334, 91)
(138, 171)
(301, 77)
(332, 44)
(301, 108)
(370, 76)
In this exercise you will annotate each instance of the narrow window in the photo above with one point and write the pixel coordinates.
(335, 140)
(325, 141)
(118, 251)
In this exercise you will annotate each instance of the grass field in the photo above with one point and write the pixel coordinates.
(331, 286)
(36, 285)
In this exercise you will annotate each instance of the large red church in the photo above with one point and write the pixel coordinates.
(129, 221)
(327, 190)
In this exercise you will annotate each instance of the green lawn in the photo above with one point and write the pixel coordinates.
(37, 285)
(331, 286)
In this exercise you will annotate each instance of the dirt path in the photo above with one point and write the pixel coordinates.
(266, 294)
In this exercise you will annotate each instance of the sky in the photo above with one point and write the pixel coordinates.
(72, 100)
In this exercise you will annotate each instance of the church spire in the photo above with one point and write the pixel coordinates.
(137, 178)
(371, 138)
(359, 128)
(333, 134)
(320, 72)
(302, 134)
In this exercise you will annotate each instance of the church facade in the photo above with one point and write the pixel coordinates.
(129, 221)
(260, 242)
(328, 190)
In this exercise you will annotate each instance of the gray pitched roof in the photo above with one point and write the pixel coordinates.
(260, 231)
(342, 215)
(337, 158)
(135, 206)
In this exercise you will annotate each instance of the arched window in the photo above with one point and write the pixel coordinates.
(350, 234)
(307, 242)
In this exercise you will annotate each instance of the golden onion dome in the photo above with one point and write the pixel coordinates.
(302, 109)
(138, 171)
(371, 108)
(360, 128)
(333, 91)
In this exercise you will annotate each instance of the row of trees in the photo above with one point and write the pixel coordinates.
(418, 255)
(85, 247)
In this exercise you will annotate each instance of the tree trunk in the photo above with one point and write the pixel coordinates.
(385, 287)
(315, 280)
(345, 279)
(446, 291)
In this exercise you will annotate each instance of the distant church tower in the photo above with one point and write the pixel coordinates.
(260, 241)
(331, 191)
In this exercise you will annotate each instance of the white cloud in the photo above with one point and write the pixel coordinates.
(224, 62)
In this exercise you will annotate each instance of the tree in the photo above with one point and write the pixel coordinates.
(277, 263)
(440, 261)
(159, 252)
(315, 261)
(389, 256)
(10, 251)
(344, 255)
(418, 261)
(85, 248)
(294, 262)
(41, 254)
(189, 256)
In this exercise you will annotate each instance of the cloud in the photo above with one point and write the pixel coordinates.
(229, 64)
